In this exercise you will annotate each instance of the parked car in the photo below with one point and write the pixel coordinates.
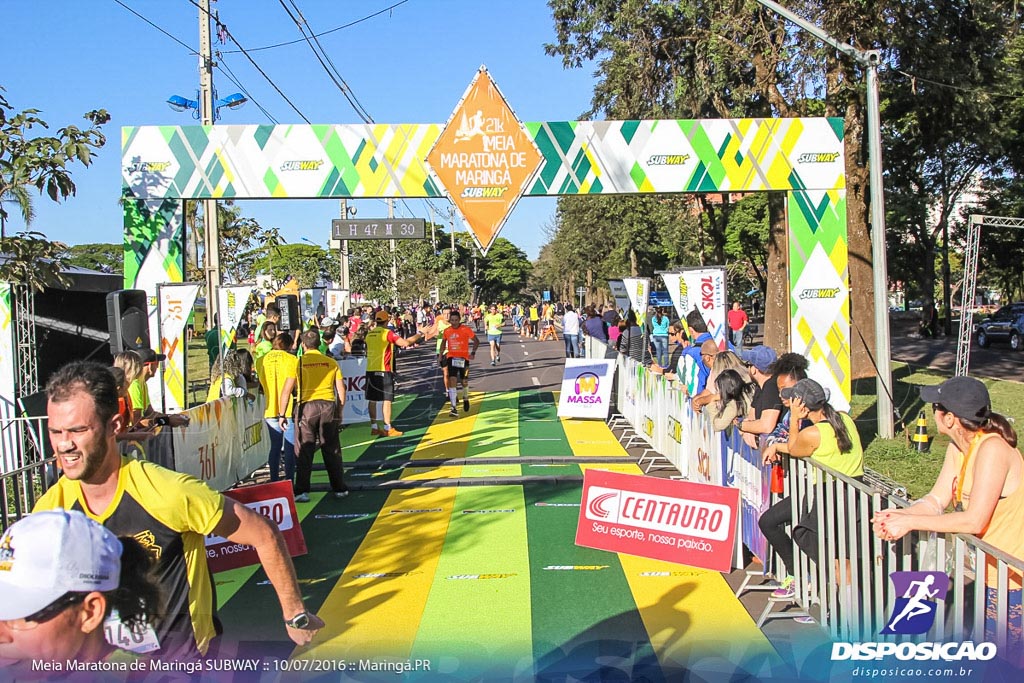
(1005, 325)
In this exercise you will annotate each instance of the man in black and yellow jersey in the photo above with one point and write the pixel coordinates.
(317, 415)
(167, 512)
(380, 371)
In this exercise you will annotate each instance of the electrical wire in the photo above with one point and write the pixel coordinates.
(185, 45)
(333, 30)
(226, 70)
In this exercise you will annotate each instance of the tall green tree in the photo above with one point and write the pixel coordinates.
(108, 258)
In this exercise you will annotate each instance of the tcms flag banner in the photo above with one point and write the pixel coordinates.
(639, 291)
(175, 302)
(586, 388)
(232, 305)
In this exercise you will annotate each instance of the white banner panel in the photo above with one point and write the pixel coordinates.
(225, 441)
(309, 302)
(704, 289)
(586, 388)
(175, 305)
(618, 288)
(337, 303)
(639, 291)
(676, 286)
(232, 305)
(8, 446)
(353, 371)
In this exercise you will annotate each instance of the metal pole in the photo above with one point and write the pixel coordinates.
(394, 257)
(869, 59)
(343, 256)
(206, 116)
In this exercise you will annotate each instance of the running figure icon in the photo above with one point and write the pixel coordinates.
(918, 595)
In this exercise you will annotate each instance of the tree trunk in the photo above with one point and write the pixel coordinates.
(633, 268)
(776, 305)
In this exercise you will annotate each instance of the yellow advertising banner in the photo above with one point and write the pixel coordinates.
(484, 158)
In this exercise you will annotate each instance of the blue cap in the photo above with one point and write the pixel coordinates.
(761, 357)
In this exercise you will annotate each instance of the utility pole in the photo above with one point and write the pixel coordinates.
(869, 59)
(206, 116)
(394, 256)
(343, 256)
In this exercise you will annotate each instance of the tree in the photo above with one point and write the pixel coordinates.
(108, 258)
(503, 273)
(41, 162)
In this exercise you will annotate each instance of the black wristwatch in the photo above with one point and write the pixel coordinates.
(299, 621)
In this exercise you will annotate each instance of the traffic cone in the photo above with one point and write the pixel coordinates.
(920, 438)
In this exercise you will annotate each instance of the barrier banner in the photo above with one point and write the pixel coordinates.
(8, 409)
(704, 289)
(224, 443)
(232, 301)
(702, 450)
(175, 302)
(744, 470)
(586, 388)
(337, 303)
(309, 303)
(662, 519)
(639, 291)
(357, 409)
(622, 301)
(275, 502)
(676, 287)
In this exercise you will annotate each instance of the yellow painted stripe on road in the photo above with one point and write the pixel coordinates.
(591, 438)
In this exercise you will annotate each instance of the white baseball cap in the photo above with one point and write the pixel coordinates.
(47, 554)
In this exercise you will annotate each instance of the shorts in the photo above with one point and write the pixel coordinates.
(380, 386)
(458, 373)
(494, 338)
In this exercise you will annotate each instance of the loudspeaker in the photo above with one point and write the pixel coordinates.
(128, 320)
(291, 319)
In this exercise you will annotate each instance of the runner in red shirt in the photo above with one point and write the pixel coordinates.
(456, 344)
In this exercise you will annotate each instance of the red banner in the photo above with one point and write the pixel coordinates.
(663, 519)
(275, 502)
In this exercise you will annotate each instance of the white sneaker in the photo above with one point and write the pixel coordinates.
(340, 494)
(302, 498)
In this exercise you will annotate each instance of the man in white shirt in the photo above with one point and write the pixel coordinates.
(571, 332)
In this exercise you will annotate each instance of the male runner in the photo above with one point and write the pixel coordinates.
(442, 325)
(456, 344)
(494, 320)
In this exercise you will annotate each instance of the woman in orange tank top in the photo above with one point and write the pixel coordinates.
(982, 478)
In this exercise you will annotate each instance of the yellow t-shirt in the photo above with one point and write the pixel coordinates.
(494, 322)
(827, 453)
(442, 325)
(169, 514)
(316, 376)
(276, 367)
(138, 392)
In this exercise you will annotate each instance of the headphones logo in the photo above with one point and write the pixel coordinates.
(587, 384)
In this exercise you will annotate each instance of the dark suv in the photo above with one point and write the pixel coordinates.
(1006, 324)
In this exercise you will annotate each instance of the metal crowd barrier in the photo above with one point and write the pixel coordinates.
(25, 470)
(850, 592)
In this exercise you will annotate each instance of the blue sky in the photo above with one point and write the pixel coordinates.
(408, 65)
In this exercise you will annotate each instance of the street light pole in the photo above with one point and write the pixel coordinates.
(343, 255)
(206, 115)
(394, 257)
(869, 59)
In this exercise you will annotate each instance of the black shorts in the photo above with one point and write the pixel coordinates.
(458, 373)
(380, 386)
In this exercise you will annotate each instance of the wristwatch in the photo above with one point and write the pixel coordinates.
(299, 621)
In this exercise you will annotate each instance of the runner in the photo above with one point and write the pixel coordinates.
(455, 344)
(442, 325)
(380, 373)
(494, 321)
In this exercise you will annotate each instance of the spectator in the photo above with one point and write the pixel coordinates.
(723, 360)
(224, 378)
(659, 337)
(321, 391)
(981, 478)
(631, 338)
(789, 369)
(831, 440)
(571, 332)
(595, 326)
(63, 578)
(277, 366)
(169, 513)
(138, 367)
(697, 380)
(738, 322)
(766, 407)
(612, 320)
(677, 343)
(265, 341)
(734, 394)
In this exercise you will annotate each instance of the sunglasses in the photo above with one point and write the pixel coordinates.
(47, 613)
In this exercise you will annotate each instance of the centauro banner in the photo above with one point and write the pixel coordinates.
(586, 388)
(175, 306)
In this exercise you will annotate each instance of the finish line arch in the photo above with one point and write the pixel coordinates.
(164, 165)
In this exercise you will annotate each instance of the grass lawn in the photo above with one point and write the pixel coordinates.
(896, 458)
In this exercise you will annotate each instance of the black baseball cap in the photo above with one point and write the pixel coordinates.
(965, 397)
(810, 392)
(149, 355)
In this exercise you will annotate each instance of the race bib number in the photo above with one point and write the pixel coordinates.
(458, 362)
(120, 635)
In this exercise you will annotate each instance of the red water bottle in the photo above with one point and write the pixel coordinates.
(778, 484)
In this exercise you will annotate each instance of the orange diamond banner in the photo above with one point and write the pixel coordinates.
(484, 159)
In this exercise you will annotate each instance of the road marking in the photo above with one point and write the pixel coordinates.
(529, 363)
(536, 382)
(526, 353)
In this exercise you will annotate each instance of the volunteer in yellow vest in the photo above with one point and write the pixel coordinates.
(982, 478)
(534, 320)
(317, 415)
(380, 371)
(275, 367)
(168, 513)
(493, 321)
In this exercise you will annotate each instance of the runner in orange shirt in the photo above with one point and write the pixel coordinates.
(456, 344)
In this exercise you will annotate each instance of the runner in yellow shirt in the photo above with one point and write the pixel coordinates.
(494, 321)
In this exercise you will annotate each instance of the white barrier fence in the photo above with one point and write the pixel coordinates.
(851, 593)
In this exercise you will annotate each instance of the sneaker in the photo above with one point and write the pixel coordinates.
(340, 494)
(301, 497)
(498, 359)
(453, 412)
(391, 432)
(377, 432)
(785, 589)
(492, 363)
(465, 404)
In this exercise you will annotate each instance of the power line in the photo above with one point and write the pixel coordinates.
(188, 47)
(221, 26)
(226, 70)
(333, 30)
